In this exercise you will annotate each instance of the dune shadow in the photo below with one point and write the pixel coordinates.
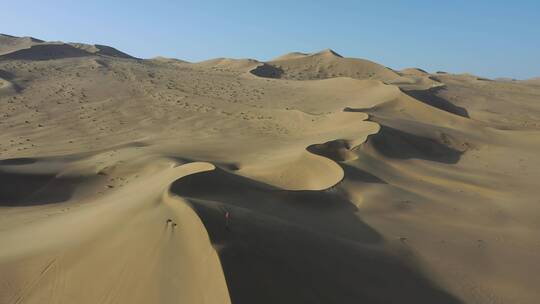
(337, 150)
(9, 77)
(18, 189)
(281, 246)
(6, 75)
(17, 161)
(431, 98)
(46, 52)
(326, 211)
(357, 174)
(398, 144)
(270, 261)
(110, 51)
(267, 71)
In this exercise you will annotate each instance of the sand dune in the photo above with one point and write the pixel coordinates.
(414, 71)
(10, 44)
(226, 64)
(344, 181)
(28, 48)
(291, 55)
(101, 50)
(137, 256)
(327, 64)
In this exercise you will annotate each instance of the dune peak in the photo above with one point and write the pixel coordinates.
(328, 52)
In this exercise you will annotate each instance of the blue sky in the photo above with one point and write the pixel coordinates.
(488, 38)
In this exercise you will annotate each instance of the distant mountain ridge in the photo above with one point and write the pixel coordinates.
(29, 48)
(293, 66)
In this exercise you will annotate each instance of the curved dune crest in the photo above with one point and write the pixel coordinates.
(138, 245)
(305, 171)
(313, 167)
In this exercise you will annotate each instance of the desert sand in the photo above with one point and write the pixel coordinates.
(344, 181)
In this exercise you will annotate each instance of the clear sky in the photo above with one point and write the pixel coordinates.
(488, 38)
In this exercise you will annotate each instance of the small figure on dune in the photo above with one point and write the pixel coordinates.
(227, 220)
(171, 221)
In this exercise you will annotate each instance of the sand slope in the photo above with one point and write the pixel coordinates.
(329, 64)
(345, 181)
(136, 255)
(10, 43)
